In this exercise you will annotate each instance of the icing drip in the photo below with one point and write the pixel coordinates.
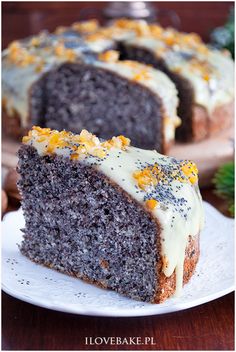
(163, 185)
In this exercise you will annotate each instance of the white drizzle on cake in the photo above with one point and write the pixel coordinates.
(166, 187)
(210, 74)
(210, 71)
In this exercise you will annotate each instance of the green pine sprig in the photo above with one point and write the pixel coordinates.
(223, 37)
(224, 184)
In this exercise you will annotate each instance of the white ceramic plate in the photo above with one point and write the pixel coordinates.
(47, 288)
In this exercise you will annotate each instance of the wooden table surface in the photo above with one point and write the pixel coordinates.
(206, 327)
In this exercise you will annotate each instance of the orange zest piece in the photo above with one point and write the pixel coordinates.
(20, 56)
(64, 53)
(145, 178)
(151, 204)
(190, 171)
(81, 144)
(142, 75)
(86, 26)
(109, 56)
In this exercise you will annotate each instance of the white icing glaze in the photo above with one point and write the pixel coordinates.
(119, 166)
(99, 45)
(210, 94)
(17, 82)
(107, 38)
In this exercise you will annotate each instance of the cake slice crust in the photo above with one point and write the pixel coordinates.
(120, 217)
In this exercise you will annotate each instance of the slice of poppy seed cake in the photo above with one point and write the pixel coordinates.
(117, 216)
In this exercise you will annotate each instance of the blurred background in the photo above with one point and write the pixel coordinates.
(20, 19)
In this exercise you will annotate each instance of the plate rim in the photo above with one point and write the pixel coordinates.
(121, 313)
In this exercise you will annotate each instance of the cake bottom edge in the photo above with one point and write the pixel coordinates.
(166, 285)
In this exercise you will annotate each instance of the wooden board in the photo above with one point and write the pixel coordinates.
(208, 154)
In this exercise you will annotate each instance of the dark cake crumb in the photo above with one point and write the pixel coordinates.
(100, 101)
(75, 218)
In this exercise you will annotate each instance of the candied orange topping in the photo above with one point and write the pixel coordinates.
(206, 77)
(120, 142)
(190, 171)
(19, 55)
(109, 56)
(119, 28)
(64, 53)
(156, 30)
(85, 27)
(114, 32)
(14, 46)
(26, 139)
(74, 156)
(142, 75)
(96, 36)
(170, 39)
(125, 141)
(202, 67)
(140, 27)
(40, 66)
(81, 144)
(148, 177)
(169, 36)
(35, 41)
(187, 172)
(151, 204)
(60, 29)
(82, 27)
(104, 33)
(176, 121)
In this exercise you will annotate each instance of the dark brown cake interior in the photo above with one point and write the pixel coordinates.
(79, 223)
(185, 91)
(77, 96)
